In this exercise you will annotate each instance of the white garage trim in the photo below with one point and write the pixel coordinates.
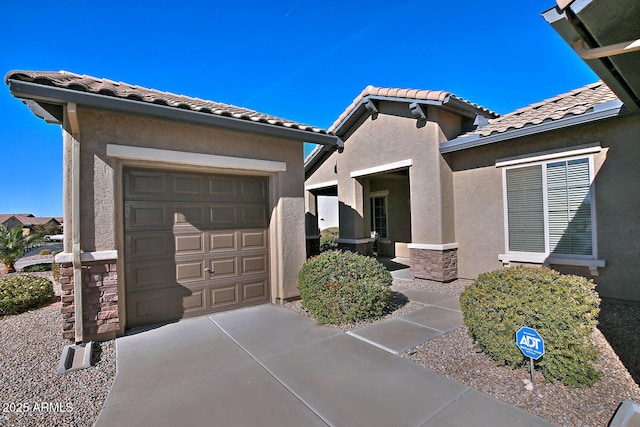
(195, 159)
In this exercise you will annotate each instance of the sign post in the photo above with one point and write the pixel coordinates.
(531, 344)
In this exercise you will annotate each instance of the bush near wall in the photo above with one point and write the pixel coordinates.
(36, 268)
(343, 287)
(21, 292)
(562, 308)
(329, 239)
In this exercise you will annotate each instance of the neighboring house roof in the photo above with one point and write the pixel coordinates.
(33, 84)
(27, 220)
(591, 102)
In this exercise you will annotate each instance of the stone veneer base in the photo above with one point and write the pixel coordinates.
(361, 248)
(99, 300)
(434, 264)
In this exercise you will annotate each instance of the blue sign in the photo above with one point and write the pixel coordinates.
(530, 342)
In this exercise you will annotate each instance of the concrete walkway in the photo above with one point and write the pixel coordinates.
(268, 366)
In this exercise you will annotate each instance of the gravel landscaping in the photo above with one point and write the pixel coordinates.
(31, 345)
(31, 392)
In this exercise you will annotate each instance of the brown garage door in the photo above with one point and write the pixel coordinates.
(194, 244)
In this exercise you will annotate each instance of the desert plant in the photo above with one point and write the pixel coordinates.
(12, 245)
(36, 268)
(340, 287)
(55, 269)
(329, 239)
(45, 252)
(562, 308)
(22, 292)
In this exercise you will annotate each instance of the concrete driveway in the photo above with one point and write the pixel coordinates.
(268, 366)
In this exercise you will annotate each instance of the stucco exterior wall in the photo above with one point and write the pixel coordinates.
(101, 175)
(479, 214)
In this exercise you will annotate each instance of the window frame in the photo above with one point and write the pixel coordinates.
(382, 195)
(547, 257)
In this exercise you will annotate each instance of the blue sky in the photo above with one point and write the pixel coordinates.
(304, 61)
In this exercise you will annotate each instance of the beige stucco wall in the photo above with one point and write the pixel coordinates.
(101, 193)
(479, 214)
(396, 136)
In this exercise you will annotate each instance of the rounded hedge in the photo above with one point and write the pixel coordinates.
(344, 287)
(562, 308)
(22, 292)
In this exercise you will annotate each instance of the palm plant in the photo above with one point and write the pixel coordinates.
(12, 245)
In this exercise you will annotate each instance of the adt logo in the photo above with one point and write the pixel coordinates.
(530, 342)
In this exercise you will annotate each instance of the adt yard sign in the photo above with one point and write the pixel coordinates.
(530, 342)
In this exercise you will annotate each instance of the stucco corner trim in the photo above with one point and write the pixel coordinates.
(67, 257)
(550, 155)
(196, 159)
(431, 247)
(320, 185)
(382, 168)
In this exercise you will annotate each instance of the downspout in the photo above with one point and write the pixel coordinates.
(72, 114)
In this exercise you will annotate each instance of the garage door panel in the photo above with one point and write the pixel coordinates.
(145, 308)
(187, 186)
(254, 264)
(222, 188)
(224, 267)
(189, 271)
(223, 241)
(223, 216)
(189, 244)
(253, 190)
(147, 216)
(149, 244)
(224, 296)
(252, 291)
(145, 184)
(253, 239)
(186, 215)
(195, 302)
(252, 216)
(149, 275)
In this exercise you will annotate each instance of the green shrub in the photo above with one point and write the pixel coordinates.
(35, 268)
(45, 252)
(342, 287)
(329, 239)
(22, 292)
(562, 308)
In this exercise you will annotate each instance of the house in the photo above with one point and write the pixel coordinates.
(173, 206)
(28, 222)
(462, 191)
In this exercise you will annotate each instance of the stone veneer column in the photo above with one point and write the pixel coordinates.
(99, 296)
(434, 262)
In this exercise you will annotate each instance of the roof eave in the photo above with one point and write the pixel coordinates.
(60, 96)
(600, 112)
(603, 67)
(361, 112)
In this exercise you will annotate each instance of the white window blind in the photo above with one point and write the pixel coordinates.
(525, 209)
(569, 201)
(549, 208)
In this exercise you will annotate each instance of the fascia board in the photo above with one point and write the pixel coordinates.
(472, 141)
(27, 90)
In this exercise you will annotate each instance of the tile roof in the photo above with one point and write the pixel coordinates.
(26, 220)
(409, 94)
(98, 86)
(574, 103)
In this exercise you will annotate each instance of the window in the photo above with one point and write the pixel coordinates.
(379, 216)
(549, 208)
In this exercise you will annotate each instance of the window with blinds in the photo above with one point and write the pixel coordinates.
(549, 208)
